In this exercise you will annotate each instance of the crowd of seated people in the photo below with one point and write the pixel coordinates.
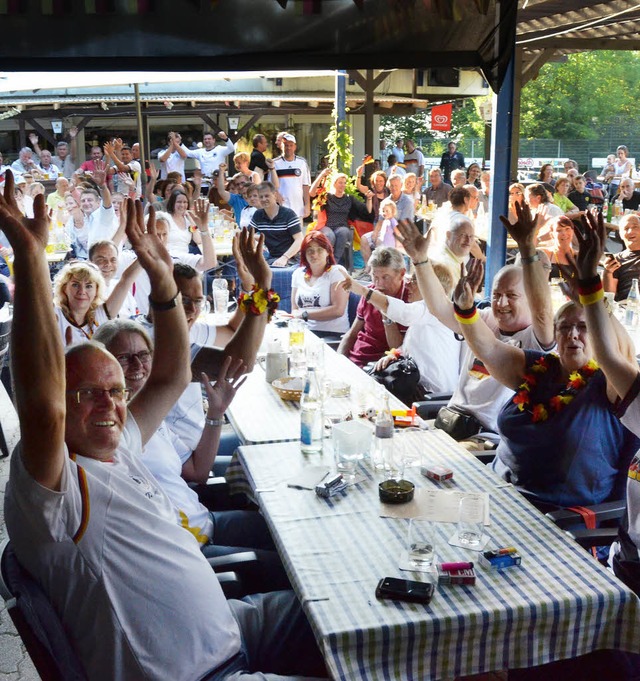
(484, 358)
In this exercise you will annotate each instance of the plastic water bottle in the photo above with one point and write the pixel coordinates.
(633, 305)
(311, 416)
(382, 452)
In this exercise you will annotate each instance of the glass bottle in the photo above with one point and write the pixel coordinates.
(311, 416)
(633, 305)
(382, 450)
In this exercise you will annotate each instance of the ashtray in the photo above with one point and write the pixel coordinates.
(396, 491)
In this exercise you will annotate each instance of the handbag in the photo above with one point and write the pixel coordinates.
(457, 423)
(400, 378)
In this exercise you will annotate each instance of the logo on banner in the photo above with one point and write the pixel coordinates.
(441, 117)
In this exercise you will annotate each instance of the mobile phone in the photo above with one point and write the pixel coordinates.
(404, 590)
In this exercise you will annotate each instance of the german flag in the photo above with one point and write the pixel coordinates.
(368, 159)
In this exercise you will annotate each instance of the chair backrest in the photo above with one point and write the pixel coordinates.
(37, 622)
(352, 306)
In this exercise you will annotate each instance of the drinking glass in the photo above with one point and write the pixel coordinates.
(220, 296)
(470, 517)
(421, 544)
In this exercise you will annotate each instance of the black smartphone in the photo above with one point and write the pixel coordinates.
(404, 590)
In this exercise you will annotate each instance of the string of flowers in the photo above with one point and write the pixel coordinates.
(542, 410)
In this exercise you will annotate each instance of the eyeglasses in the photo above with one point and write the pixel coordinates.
(565, 328)
(198, 303)
(144, 357)
(91, 395)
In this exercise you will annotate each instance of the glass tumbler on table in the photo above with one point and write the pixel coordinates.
(422, 552)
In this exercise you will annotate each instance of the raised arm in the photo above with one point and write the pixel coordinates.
(505, 363)
(109, 151)
(220, 181)
(319, 181)
(200, 216)
(620, 369)
(430, 287)
(219, 396)
(535, 279)
(273, 173)
(38, 364)
(117, 297)
(170, 373)
(33, 138)
(246, 340)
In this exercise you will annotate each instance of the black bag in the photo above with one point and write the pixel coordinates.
(457, 424)
(400, 378)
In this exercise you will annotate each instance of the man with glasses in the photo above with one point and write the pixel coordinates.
(136, 596)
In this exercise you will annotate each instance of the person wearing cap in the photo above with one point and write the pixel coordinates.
(294, 178)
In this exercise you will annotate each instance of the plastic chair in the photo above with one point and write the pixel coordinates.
(37, 622)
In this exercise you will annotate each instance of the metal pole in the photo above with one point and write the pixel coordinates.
(141, 139)
(341, 102)
(500, 174)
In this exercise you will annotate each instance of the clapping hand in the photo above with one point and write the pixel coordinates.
(525, 229)
(468, 284)
(221, 393)
(24, 234)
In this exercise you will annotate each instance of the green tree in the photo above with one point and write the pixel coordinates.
(583, 97)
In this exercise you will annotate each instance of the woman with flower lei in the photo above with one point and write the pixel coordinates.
(561, 442)
(623, 376)
(315, 296)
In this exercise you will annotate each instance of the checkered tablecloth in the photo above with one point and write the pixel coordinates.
(559, 604)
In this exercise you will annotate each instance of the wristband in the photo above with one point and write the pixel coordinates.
(590, 291)
(259, 300)
(163, 307)
(305, 316)
(386, 321)
(470, 316)
(369, 294)
(216, 423)
(422, 262)
(527, 260)
(394, 352)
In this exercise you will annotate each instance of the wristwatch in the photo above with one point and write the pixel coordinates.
(305, 316)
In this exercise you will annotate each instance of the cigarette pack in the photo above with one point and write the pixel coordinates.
(500, 559)
(438, 473)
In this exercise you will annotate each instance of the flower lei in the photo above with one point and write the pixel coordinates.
(259, 300)
(541, 411)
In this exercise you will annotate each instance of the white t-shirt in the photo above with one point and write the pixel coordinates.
(178, 239)
(79, 334)
(431, 344)
(173, 164)
(293, 176)
(318, 295)
(164, 455)
(132, 588)
(477, 392)
(210, 160)
(129, 307)
(412, 163)
(135, 170)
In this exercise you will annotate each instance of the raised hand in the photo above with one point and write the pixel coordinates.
(592, 238)
(154, 173)
(220, 395)
(222, 168)
(252, 255)
(109, 149)
(246, 278)
(153, 256)
(416, 245)
(524, 231)
(100, 171)
(73, 132)
(33, 138)
(200, 213)
(468, 284)
(26, 235)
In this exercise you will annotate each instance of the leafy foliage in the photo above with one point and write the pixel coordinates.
(583, 98)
